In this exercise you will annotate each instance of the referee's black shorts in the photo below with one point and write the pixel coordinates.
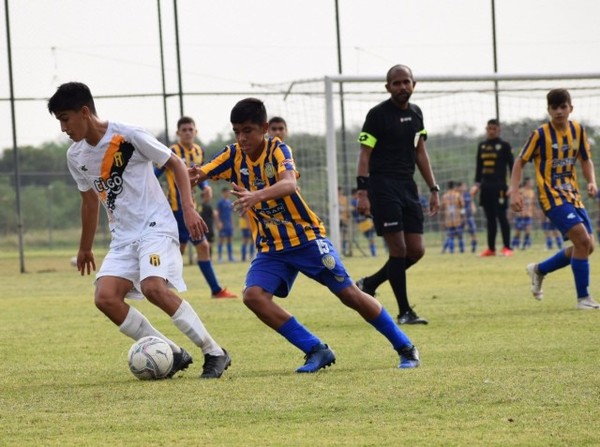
(395, 205)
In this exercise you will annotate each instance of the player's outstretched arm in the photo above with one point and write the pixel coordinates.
(89, 223)
(516, 200)
(587, 169)
(194, 223)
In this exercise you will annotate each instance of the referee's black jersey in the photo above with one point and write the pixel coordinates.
(494, 160)
(393, 134)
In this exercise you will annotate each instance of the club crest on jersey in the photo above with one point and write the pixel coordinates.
(328, 261)
(118, 159)
(154, 260)
(269, 170)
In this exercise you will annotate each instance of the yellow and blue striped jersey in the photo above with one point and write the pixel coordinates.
(555, 154)
(528, 196)
(277, 224)
(192, 156)
(452, 207)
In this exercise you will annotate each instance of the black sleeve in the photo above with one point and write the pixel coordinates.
(478, 165)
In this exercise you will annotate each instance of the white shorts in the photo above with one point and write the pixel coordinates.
(155, 255)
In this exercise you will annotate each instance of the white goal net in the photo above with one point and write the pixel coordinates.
(324, 118)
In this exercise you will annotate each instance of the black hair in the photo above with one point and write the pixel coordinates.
(493, 122)
(558, 96)
(388, 76)
(249, 109)
(185, 120)
(277, 119)
(71, 96)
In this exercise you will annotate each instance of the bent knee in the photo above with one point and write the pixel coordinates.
(253, 296)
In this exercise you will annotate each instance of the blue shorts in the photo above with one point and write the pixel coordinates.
(184, 235)
(566, 216)
(276, 272)
(246, 233)
(521, 223)
(226, 232)
(471, 228)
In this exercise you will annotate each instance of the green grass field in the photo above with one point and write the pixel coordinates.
(498, 368)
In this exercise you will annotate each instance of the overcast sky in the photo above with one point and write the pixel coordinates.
(232, 45)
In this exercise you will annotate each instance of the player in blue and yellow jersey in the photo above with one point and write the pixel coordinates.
(551, 233)
(555, 148)
(278, 128)
(524, 219)
(363, 223)
(247, 248)
(225, 225)
(469, 214)
(192, 155)
(290, 238)
(452, 208)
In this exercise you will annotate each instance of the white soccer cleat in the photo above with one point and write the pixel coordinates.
(587, 303)
(536, 282)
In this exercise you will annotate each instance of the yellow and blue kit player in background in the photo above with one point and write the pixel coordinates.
(555, 148)
(289, 237)
(524, 219)
(452, 207)
(469, 210)
(247, 247)
(192, 155)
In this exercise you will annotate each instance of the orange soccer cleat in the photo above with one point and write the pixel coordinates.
(224, 293)
(487, 252)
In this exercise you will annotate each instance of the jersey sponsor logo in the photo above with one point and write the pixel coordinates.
(154, 260)
(244, 171)
(571, 216)
(113, 184)
(564, 162)
(405, 119)
(328, 261)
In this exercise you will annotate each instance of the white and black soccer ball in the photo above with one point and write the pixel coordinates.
(150, 358)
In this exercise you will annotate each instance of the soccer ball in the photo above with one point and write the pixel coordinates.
(150, 358)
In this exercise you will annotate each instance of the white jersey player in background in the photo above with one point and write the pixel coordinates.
(112, 163)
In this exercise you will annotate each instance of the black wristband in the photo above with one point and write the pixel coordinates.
(362, 182)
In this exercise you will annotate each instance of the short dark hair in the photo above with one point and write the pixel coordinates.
(388, 76)
(493, 122)
(249, 109)
(558, 96)
(185, 120)
(71, 96)
(277, 119)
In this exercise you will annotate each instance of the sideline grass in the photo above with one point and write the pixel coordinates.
(498, 367)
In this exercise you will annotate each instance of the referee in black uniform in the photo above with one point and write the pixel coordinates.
(392, 143)
(494, 160)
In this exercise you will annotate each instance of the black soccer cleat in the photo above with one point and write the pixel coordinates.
(181, 361)
(410, 317)
(361, 284)
(215, 365)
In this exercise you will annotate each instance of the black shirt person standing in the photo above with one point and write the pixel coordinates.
(494, 159)
(392, 145)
